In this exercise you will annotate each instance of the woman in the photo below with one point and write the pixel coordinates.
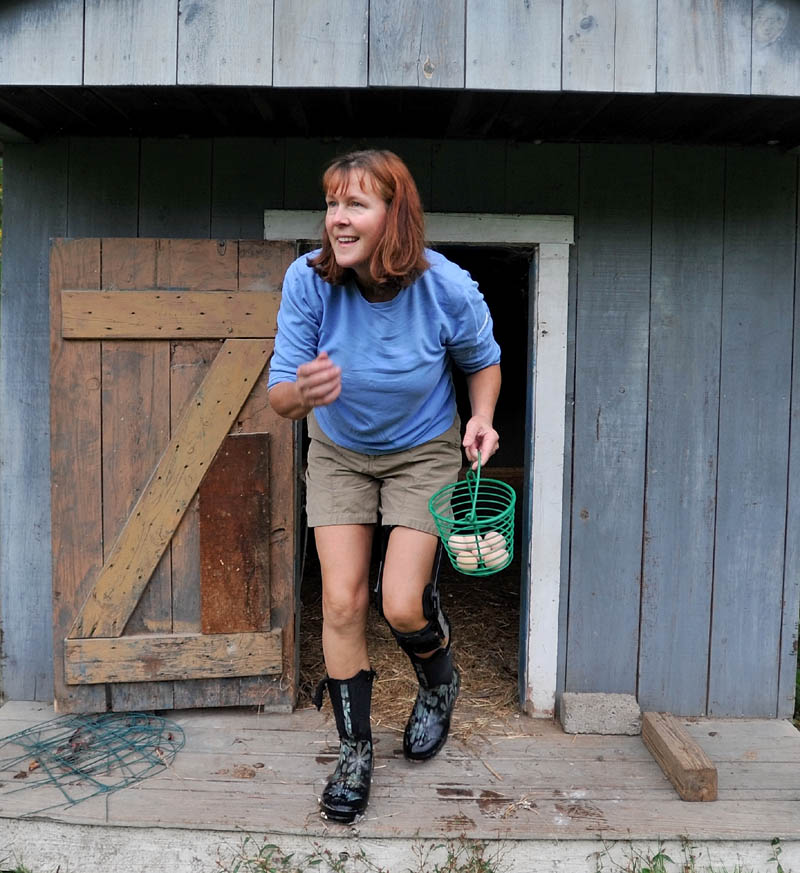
(368, 329)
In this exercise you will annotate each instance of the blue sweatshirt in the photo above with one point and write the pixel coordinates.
(396, 357)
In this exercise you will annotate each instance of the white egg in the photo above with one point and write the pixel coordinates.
(467, 561)
(495, 558)
(461, 543)
(493, 541)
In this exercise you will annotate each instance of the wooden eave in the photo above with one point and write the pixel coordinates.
(35, 113)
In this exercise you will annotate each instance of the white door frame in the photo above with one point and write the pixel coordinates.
(543, 502)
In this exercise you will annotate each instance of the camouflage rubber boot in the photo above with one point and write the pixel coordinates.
(429, 722)
(346, 794)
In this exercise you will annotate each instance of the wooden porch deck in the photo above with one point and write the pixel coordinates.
(545, 799)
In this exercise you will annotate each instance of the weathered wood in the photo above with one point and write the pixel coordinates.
(512, 45)
(132, 42)
(776, 36)
(414, 43)
(172, 656)
(683, 404)
(133, 439)
(588, 45)
(165, 315)
(753, 465)
(704, 46)
(635, 45)
(234, 543)
(610, 419)
(156, 514)
(76, 465)
(175, 188)
(684, 763)
(41, 44)
(322, 44)
(226, 43)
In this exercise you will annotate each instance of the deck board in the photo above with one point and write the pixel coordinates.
(246, 771)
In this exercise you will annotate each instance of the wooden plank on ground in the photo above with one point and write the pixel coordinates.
(413, 43)
(172, 656)
(513, 46)
(176, 478)
(588, 45)
(683, 403)
(609, 443)
(776, 34)
(76, 464)
(754, 431)
(704, 46)
(41, 43)
(163, 315)
(684, 763)
(320, 43)
(225, 44)
(234, 540)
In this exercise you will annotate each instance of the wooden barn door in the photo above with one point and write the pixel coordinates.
(173, 483)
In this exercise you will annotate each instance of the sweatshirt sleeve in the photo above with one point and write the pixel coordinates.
(470, 343)
(299, 317)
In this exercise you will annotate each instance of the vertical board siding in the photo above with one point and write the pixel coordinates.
(103, 187)
(457, 183)
(588, 45)
(635, 46)
(319, 43)
(35, 208)
(776, 37)
(682, 428)
(755, 393)
(791, 571)
(42, 43)
(130, 42)
(513, 45)
(608, 459)
(175, 188)
(704, 46)
(248, 177)
(416, 43)
(225, 42)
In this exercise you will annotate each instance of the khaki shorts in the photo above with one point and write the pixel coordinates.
(346, 487)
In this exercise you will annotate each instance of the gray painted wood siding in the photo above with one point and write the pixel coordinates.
(675, 574)
(34, 209)
(638, 46)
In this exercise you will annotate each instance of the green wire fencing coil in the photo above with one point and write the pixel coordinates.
(72, 758)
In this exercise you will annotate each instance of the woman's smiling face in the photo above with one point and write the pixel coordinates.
(355, 221)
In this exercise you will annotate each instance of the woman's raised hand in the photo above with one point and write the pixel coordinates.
(319, 382)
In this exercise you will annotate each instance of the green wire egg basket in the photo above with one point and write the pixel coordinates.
(475, 519)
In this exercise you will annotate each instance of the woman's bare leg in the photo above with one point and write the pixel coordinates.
(344, 554)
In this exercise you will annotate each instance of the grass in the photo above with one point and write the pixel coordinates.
(631, 860)
(451, 856)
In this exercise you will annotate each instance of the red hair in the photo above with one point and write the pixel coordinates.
(399, 257)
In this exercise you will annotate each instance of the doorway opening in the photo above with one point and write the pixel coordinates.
(484, 611)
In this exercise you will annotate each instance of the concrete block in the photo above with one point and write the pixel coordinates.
(594, 713)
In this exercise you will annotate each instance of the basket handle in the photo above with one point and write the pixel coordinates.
(473, 482)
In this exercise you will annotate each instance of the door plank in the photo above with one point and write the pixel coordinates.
(136, 425)
(77, 526)
(172, 656)
(162, 315)
(234, 540)
(176, 478)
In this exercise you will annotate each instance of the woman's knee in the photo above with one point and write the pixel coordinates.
(345, 606)
(404, 613)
